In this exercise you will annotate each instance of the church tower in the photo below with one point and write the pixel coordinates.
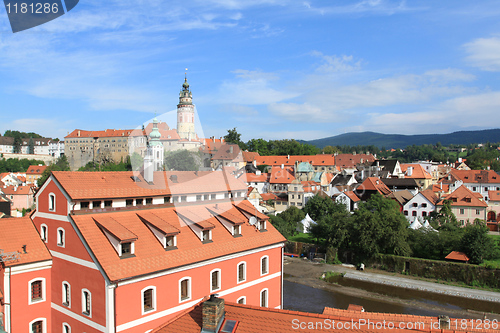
(185, 113)
(153, 161)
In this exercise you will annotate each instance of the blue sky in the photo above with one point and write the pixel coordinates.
(271, 68)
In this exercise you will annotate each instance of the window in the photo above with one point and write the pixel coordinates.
(474, 189)
(424, 205)
(126, 248)
(415, 204)
(60, 237)
(242, 272)
(36, 291)
(37, 326)
(261, 225)
(215, 280)
(205, 197)
(148, 299)
(96, 204)
(149, 201)
(414, 213)
(66, 293)
(44, 232)
(166, 199)
(138, 202)
(84, 205)
(477, 212)
(264, 265)
(424, 213)
(66, 328)
(129, 202)
(108, 203)
(405, 213)
(185, 289)
(462, 211)
(86, 302)
(242, 300)
(237, 230)
(183, 198)
(206, 236)
(263, 298)
(212, 196)
(52, 202)
(170, 241)
(198, 197)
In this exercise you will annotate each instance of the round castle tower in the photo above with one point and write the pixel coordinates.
(185, 113)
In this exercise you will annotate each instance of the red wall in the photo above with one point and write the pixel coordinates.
(43, 200)
(129, 301)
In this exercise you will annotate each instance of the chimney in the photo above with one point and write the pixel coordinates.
(409, 171)
(254, 163)
(288, 157)
(444, 322)
(230, 149)
(78, 132)
(173, 178)
(24, 249)
(282, 166)
(213, 314)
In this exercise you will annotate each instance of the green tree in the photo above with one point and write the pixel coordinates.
(180, 160)
(31, 146)
(234, 137)
(292, 216)
(330, 150)
(476, 243)
(318, 207)
(136, 161)
(61, 164)
(17, 145)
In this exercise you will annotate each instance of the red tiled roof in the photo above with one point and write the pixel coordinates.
(459, 256)
(462, 196)
(315, 160)
(228, 152)
(418, 171)
(100, 134)
(250, 156)
(350, 160)
(210, 146)
(203, 181)
(151, 257)
(476, 176)
(253, 178)
(16, 232)
(374, 184)
(228, 212)
(267, 196)
(17, 190)
(431, 196)
(36, 169)
(352, 196)
(281, 176)
(253, 319)
(160, 223)
(437, 188)
(494, 195)
(115, 228)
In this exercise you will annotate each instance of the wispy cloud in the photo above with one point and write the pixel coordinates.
(334, 63)
(484, 53)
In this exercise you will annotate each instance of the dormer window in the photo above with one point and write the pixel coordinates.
(170, 241)
(237, 230)
(126, 248)
(138, 202)
(207, 236)
(84, 205)
(261, 225)
(120, 237)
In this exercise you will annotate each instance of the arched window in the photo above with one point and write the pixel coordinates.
(38, 325)
(44, 232)
(60, 237)
(66, 328)
(66, 294)
(184, 289)
(264, 265)
(86, 302)
(52, 202)
(491, 216)
(242, 300)
(148, 299)
(264, 298)
(215, 277)
(242, 272)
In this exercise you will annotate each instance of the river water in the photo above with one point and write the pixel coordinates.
(304, 298)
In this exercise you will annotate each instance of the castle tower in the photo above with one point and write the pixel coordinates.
(153, 161)
(185, 113)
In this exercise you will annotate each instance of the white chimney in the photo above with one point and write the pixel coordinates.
(282, 166)
(409, 171)
(459, 160)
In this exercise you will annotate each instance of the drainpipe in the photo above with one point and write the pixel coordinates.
(7, 297)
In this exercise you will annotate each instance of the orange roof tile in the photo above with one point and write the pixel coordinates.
(115, 228)
(160, 223)
(418, 171)
(99, 134)
(436, 188)
(494, 195)
(281, 176)
(350, 160)
(462, 196)
(18, 190)
(151, 257)
(36, 169)
(267, 196)
(352, 196)
(253, 178)
(16, 232)
(253, 319)
(228, 212)
(476, 176)
(250, 156)
(459, 256)
(374, 184)
(431, 196)
(315, 160)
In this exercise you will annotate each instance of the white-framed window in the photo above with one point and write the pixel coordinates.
(242, 272)
(236, 230)
(242, 300)
(61, 235)
(215, 280)
(264, 265)
(66, 294)
(86, 302)
(206, 235)
(185, 289)
(261, 225)
(38, 325)
(52, 202)
(44, 232)
(36, 290)
(66, 328)
(148, 299)
(126, 249)
(264, 298)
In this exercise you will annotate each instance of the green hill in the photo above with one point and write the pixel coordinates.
(401, 141)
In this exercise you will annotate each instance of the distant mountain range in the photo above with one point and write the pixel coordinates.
(402, 141)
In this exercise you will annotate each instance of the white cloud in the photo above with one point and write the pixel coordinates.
(333, 64)
(252, 88)
(484, 53)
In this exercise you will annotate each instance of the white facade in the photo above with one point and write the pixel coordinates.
(418, 206)
(56, 149)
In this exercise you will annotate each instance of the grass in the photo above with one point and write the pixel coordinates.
(302, 238)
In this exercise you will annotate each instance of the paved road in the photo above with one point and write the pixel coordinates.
(416, 284)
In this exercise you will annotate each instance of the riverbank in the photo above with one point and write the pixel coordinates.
(308, 273)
